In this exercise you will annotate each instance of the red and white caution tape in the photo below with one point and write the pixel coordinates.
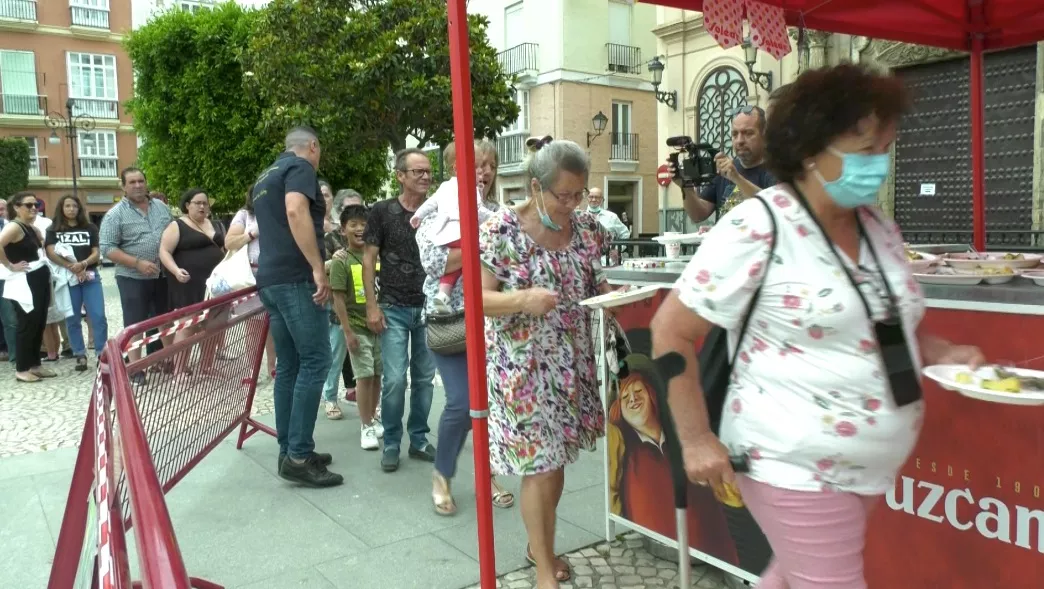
(180, 324)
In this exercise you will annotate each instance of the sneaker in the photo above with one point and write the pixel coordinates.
(390, 460)
(427, 453)
(440, 302)
(349, 397)
(322, 457)
(378, 428)
(310, 473)
(368, 438)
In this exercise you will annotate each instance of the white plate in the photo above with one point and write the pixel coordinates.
(946, 376)
(991, 260)
(620, 297)
(1037, 276)
(949, 279)
(684, 238)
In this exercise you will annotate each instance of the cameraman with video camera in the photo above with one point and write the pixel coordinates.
(738, 178)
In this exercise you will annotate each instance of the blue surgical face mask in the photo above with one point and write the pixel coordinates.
(594, 209)
(861, 178)
(545, 219)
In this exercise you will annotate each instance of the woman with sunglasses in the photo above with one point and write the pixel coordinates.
(540, 259)
(824, 401)
(28, 283)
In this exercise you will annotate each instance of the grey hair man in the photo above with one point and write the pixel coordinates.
(739, 177)
(292, 284)
(398, 316)
(607, 218)
(129, 237)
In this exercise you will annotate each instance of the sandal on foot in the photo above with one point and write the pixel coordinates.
(442, 500)
(502, 498)
(562, 571)
(333, 410)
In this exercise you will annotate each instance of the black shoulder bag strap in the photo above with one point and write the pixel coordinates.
(716, 361)
(757, 293)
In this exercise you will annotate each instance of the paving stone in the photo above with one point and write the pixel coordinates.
(515, 576)
(603, 570)
(584, 582)
(647, 571)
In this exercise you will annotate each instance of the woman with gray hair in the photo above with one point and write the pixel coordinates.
(540, 259)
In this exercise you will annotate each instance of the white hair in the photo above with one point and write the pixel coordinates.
(559, 155)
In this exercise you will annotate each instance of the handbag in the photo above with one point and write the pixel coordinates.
(445, 333)
(716, 363)
(232, 273)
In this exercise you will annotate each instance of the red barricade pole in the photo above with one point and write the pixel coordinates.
(463, 127)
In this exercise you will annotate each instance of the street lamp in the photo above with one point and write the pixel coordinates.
(669, 98)
(598, 122)
(71, 126)
(750, 56)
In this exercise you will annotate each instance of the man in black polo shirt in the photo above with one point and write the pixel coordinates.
(739, 178)
(291, 280)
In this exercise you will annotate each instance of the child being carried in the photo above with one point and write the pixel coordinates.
(445, 230)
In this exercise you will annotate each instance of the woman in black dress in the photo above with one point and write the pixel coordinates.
(191, 246)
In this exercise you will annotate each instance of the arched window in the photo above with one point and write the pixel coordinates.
(722, 91)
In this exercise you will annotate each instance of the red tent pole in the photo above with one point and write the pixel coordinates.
(978, 133)
(463, 128)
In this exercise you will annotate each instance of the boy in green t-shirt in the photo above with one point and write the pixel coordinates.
(349, 303)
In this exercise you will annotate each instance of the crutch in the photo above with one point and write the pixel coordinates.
(679, 480)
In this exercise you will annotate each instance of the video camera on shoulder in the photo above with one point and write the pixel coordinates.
(698, 167)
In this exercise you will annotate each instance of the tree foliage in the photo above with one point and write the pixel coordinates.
(369, 73)
(14, 165)
(199, 126)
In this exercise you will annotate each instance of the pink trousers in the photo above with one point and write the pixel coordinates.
(817, 538)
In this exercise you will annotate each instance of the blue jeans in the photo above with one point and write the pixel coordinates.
(10, 321)
(455, 422)
(403, 346)
(338, 351)
(92, 295)
(304, 360)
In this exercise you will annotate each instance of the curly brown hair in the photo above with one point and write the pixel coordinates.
(820, 106)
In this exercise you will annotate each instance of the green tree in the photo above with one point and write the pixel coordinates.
(369, 73)
(199, 126)
(14, 165)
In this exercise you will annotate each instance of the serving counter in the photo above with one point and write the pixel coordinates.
(967, 511)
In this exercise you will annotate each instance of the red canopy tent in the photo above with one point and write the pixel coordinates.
(969, 25)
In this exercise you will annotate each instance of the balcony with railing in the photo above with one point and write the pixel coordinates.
(21, 10)
(623, 59)
(23, 104)
(98, 167)
(511, 150)
(99, 108)
(623, 147)
(520, 60)
(38, 167)
(86, 16)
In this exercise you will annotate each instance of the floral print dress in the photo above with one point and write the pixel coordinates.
(543, 395)
(809, 402)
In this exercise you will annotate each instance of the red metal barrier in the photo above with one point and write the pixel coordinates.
(150, 421)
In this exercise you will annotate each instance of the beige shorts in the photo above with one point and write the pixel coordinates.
(366, 361)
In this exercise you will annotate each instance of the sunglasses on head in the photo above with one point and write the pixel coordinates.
(745, 109)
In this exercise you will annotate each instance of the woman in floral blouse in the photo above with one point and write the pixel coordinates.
(455, 422)
(825, 400)
(540, 259)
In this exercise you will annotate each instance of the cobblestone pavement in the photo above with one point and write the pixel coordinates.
(622, 564)
(41, 416)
